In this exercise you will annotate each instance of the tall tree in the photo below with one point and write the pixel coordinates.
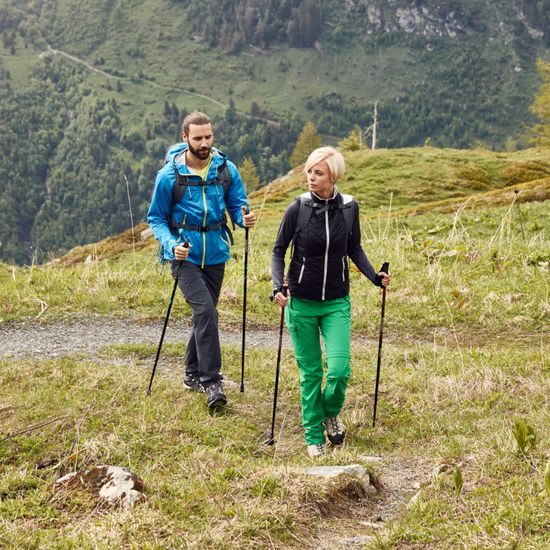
(308, 140)
(249, 174)
(540, 132)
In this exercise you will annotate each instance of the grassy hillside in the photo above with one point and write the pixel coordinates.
(465, 359)
(391, 187)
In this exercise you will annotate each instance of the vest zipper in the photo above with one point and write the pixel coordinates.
(343, 269)
(326, 254)
(302, 270)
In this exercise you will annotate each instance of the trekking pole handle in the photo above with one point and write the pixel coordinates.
(283, 290)
(385, 267)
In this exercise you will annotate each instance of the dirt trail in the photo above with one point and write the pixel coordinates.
(90, 334)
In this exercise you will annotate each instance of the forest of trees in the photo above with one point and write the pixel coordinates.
(66, 158)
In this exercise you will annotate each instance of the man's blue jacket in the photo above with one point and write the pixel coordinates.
(200, 206)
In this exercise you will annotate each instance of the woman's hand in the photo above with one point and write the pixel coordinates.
(280, 299)
(386, 279)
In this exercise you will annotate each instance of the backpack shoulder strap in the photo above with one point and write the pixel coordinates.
(349, 212)
(224, 177)
(304, 213)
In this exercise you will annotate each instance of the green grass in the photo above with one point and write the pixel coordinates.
(465, 358)
(470, 274)
(210, 479)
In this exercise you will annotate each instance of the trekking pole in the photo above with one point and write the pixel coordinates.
(186, 245)
(271, 439)
(385, 268)
(244, 303)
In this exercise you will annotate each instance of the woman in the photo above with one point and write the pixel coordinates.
(323, 226)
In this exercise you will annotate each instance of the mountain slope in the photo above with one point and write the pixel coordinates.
(122, 74)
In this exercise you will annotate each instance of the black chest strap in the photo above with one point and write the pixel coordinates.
(222, 178)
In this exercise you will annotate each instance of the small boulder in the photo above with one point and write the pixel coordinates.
(111, 485)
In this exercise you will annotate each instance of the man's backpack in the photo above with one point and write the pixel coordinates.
(222, 178)
(307, 205)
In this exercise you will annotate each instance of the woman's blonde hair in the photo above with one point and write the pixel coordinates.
(333, 158)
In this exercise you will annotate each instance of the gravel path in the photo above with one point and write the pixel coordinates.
(89, 334)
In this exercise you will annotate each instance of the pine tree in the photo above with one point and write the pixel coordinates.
(308, 140)
(354, 140)
(540, 132)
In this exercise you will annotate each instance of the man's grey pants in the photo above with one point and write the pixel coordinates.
(201, 288)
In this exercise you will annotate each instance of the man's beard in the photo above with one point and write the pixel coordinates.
(201, 154)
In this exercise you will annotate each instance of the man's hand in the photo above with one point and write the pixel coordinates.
(249, 220)
(181, 251)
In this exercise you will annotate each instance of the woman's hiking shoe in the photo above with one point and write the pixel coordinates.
(215, 397)
(192, 381)
(335, 430)
(317, 450)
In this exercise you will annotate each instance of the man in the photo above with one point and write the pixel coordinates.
(188, 216)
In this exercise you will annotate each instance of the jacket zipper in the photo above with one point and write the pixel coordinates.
(204, 223)
(343, 269)
(326, 254)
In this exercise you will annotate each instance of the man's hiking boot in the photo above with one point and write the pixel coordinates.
(215, 397)
(335, 430)
(317, 450)
(192, 381)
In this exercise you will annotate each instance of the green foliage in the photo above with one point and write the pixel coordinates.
(353, 141)
(435, 107)
(33, 122)
(308, 140)
(248, 172)
(525, 436)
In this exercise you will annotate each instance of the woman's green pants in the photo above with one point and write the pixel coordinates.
(306, 321)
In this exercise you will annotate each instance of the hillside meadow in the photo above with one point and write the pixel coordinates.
(460, 449)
